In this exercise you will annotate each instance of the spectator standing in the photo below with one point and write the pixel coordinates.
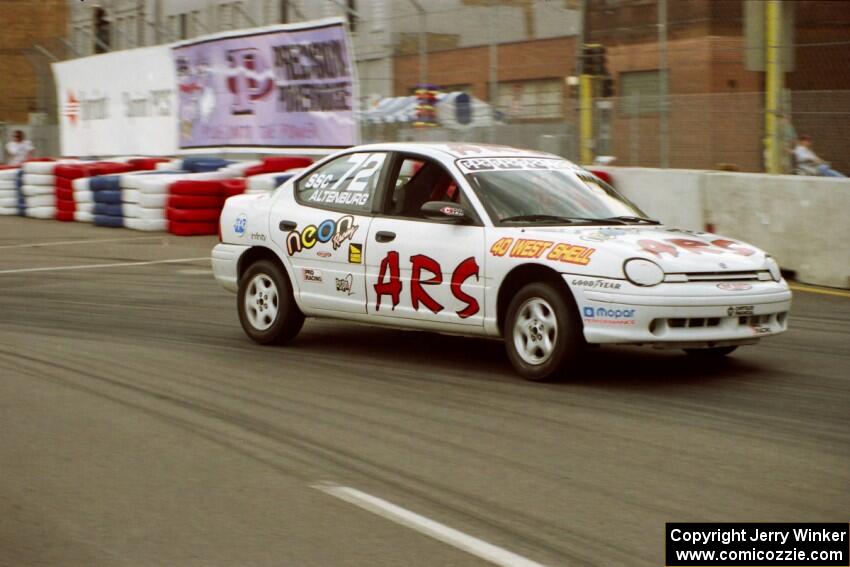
(19, 149)
(809, 162)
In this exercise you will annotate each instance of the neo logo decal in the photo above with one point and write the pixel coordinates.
(329, 230)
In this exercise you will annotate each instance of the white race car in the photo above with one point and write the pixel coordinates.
(488, 241)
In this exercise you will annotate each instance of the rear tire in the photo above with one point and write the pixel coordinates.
(542, 332)
(713, 352)
(266, 306)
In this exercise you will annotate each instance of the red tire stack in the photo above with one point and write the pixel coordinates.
(145, 164)
(194, 207)
(277, 164)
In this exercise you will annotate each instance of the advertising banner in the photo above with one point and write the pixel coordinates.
(120, 103)
(288, 86)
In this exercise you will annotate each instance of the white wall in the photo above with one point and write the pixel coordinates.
(804, 222)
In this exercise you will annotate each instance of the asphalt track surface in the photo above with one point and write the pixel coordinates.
(139, 426)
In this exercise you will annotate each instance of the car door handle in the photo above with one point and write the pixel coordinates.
(287, 225)
(384, 236)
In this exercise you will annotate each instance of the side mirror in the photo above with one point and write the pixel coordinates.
(446, 211)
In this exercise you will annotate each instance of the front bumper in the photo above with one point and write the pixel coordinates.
(678, 315)
(225, 262)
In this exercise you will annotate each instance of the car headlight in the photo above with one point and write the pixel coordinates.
(643, 272)
(773, 268)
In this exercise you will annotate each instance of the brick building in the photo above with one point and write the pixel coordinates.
(716, 97)
(27, 25)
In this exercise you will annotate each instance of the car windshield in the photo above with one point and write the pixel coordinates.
(545, 191)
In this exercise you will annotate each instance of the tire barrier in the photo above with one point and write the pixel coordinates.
(84, 216)
(108, 221)
(195, 202)
(184, 196)
(147, 164)
(194, 206)
(22, 201)
(111, 209)
(268, 182)
(39, 166)
(33, 190)
(106, 195)
(278, 164)
(203, 164)
(9, 195)
(41, 212)
(46, 200)
(37, 187)
(112, 197)
(39, 179)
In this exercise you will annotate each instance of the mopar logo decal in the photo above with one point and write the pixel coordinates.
(602, 313)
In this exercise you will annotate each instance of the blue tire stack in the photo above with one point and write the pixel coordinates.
(106, 193)
(204, 164)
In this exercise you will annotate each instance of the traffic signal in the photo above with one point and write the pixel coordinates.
(595, 59)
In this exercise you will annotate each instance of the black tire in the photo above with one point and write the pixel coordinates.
(713, 352)
(257, 319)
(567, 341)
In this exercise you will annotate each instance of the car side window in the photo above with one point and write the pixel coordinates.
(418, 181)
(347, 183)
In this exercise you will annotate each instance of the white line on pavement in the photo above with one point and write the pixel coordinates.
(96, 266)
(421, 524)
(68, 242)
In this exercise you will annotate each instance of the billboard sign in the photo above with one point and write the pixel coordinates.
(288, 86)
(120, 103)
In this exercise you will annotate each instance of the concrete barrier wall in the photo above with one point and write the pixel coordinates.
(672, 196)
(803, 222)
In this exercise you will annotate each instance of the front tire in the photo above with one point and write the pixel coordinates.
(266, 306)
(542, 332)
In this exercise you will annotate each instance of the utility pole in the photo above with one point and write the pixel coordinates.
(773, 87)
(663, 78)
(585, 91)
(494, 70)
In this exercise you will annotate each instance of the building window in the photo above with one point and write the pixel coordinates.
(638, 92)
(543, 98)
(102, 32)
